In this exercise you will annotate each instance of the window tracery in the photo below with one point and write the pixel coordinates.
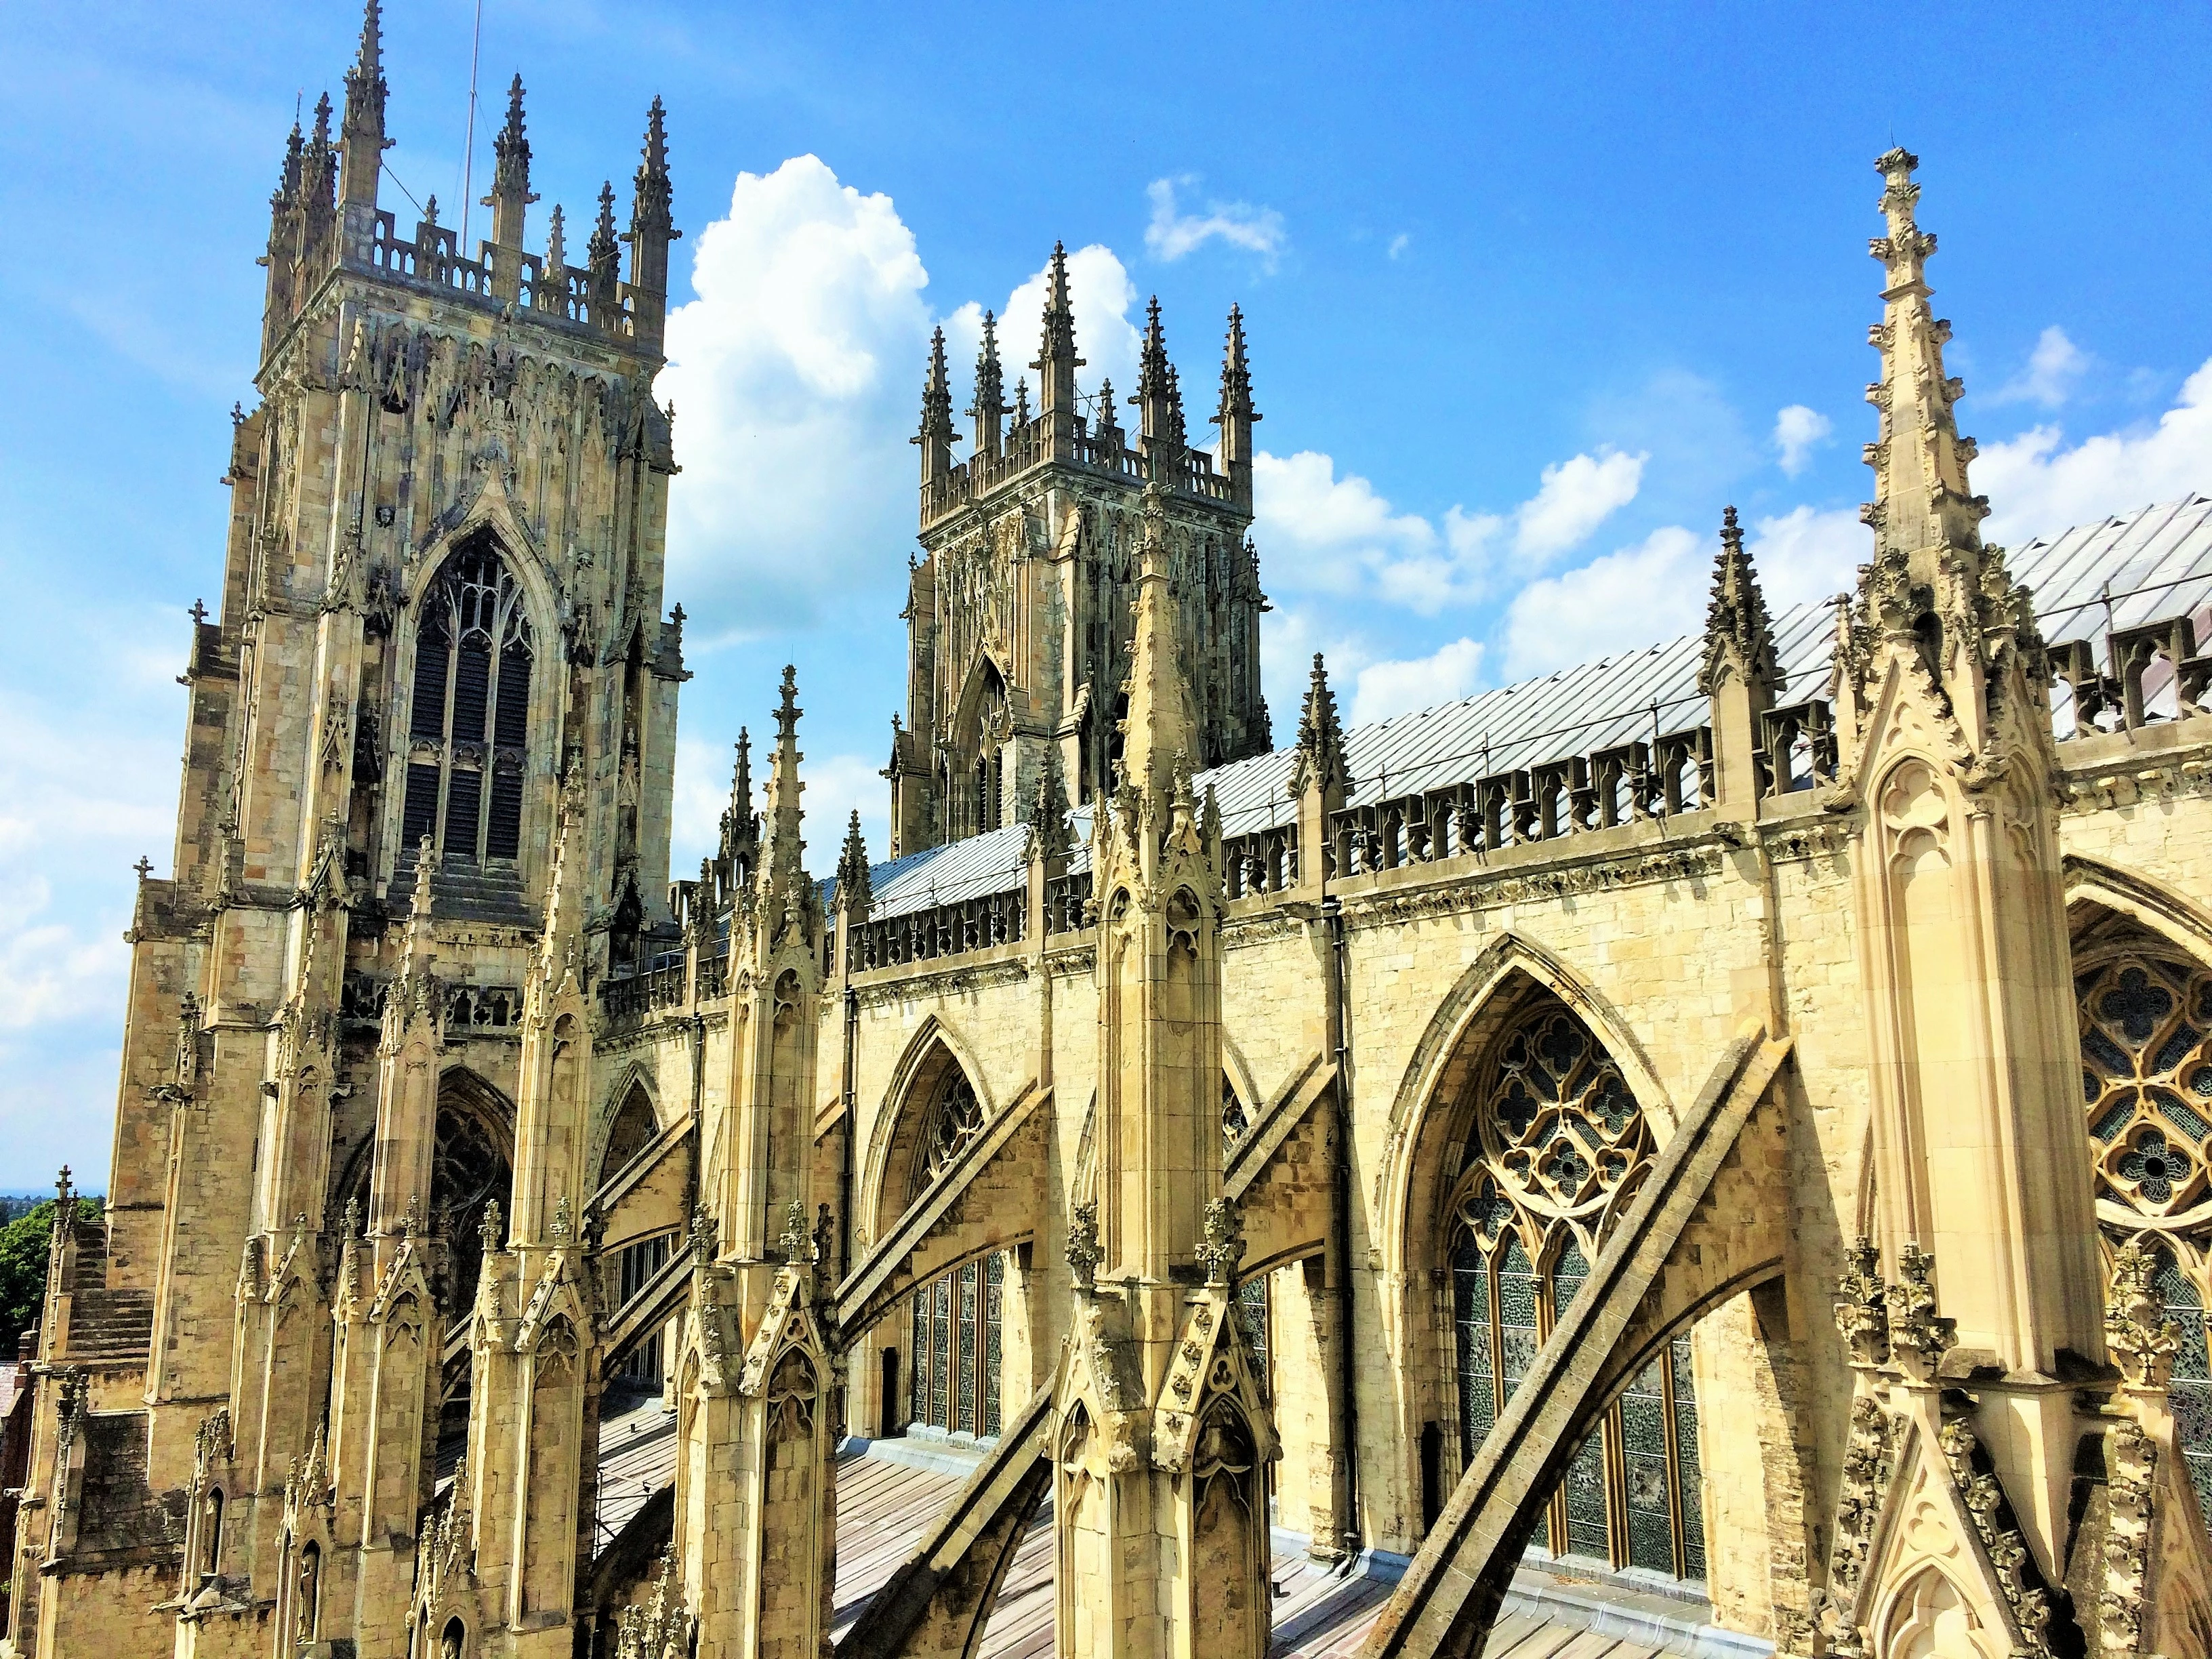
(2145, 1015)
(1559, 1145)
(956, 1117)
(468, 716)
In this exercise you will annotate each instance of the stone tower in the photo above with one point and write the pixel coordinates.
(439, 656)
(1021, 612)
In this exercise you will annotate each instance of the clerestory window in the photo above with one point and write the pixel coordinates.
(468, 725)
(1561, 1145)
(954, 1337)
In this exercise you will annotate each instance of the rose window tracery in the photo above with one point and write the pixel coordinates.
(954, 1119)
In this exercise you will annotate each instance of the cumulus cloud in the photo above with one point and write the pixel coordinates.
(1808, 554)
(1576, 497)
(1797, 432)
(2039, 486)
(1653, 590)
(1173, 232)
(2054, 368)
(794, 373)
(1102, 294)
(1446, 674)
(1334, 532)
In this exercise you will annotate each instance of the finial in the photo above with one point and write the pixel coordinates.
(1738, 635)
(936, 432)
(564, 1226)
(488, 1230)
(1222, 1253)
(855, 888)
(1082, 1252)
(1236, 377)
(989, 405)
(426, 865)
(430, 212)
(649, 205)
(1057, 349)
(198, 613)
(787, 709)
(557, 244)
(363, 126)
(144, 867)
(2143, 1339)
(1152, 359)
(323, 121)
(1319, 756)
(1021, 404)
(603, 233)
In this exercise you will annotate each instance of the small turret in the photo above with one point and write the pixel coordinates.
(510, 198)
(652, 228)
(1151, 396)
(989, 407)
(1235, 416)
(1161, 738)
(784, 895)
(1318, 761)
(1056, 361)
(740, 847)
(318, 195)
(936, 434)
(283, 240)
(1105, 429)
(1739, 635)
(360, 134)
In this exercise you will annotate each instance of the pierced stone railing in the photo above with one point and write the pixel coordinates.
(1797, 747)
(944, 930)
(1068, 903)
(1264, 861)
(1547, 803)
(632, 998)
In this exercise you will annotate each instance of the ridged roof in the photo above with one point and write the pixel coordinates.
(2155, 562)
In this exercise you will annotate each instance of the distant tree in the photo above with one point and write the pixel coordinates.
(25, 1245)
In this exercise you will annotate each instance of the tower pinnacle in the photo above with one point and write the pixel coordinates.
(361, 132)
(1056, 361)
(936, 434)
(652, 228)
(990, 389)
(511, 197)
(1160, 746)
(1739, 635)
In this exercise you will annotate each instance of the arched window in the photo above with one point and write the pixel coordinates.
(469, 1169)
(953, 1382)
(1560, 1146)
(632, 1131)
(956, 1117)
(468, 723)
(2145, 1011)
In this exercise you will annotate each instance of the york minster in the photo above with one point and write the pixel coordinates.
(1708, 1151)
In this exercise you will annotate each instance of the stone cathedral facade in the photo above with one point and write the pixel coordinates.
(1729, 1123)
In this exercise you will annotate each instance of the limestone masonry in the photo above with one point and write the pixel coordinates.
(1726, 1128)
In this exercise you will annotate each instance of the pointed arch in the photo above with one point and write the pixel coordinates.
(2152, 903)
(1430, 1112)
(932, 1055)
(628, 1117)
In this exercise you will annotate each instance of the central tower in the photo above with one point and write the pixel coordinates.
(1021, 612)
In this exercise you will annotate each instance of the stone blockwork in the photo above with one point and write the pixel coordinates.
(1427, 1169)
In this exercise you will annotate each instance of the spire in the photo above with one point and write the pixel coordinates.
(1105, 430)
(1921, 502)
(936, 434)
(318, 183)
(652, 228)
(557, 245)
(1318, 760)
(510, 196)
(1235, 416)
(854, 892)
(740, 847)
(783, 893)
(1152, 398)
(1738, 636)
(1056, 361)
(1160, 735)
(1049, 834)
(602, 259)
(363, 130)
(990, 390)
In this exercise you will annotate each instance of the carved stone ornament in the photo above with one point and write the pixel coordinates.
(1083, 1251)
(1862, 1306)
(2142, 1339)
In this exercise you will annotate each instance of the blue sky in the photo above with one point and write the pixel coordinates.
(1532, 292)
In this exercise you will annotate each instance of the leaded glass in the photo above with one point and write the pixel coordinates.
(2191, 1391)
(994, 1293)
(1516, 1315)
(967, 1339)
(1252, 1320)
(956, 1117)
(917, 1386)
(940, 1339)
(1589, 1531)
(1478, 1402)
(1690, 1483)
(1645, 1447)
(2142, 1057)
(468, 711)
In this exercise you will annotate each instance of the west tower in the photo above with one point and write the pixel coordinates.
(1021, 612)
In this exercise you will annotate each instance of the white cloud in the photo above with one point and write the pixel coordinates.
(1384, 689)
(834, 784)
(1575, 498)
(2037, 486)
(1399, 243)
(1289, 637)
(1805, 554)
(1172, 233)
(1653, 590)
(795, 374)
(1798, 431)
(1100, 294)
(2053, 368)
(1337, 534)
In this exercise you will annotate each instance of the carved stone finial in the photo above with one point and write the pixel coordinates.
(1918, 1338)
(488, 1230)
(797, 1243)
(1738, 634)
(1862, 1305)
(702, 1236)
(564, 1224)
(1083, 1251)
(1318, 758)
(2141, 1338)
(1222, 1253)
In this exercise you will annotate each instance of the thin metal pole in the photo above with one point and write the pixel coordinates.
(469, 144)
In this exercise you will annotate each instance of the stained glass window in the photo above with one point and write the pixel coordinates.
(2145, 1014)
(956, 1117)
(1560, 1146)
(954, 1383)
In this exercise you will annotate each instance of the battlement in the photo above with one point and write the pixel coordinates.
(325, 217)
(1190, 471)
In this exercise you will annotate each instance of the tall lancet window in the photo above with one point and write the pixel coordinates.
(1558, 1149)
(468, 725)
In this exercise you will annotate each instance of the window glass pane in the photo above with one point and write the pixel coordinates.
(1688, 1481)
(917, 1370)
(995, 1291)
(1644, 1447)
(1587, 1531)
(1252, 1320)
(940, 1343)
(1516, 1314)
(966, 1423)
(1478, 1406)
(2191, 1394)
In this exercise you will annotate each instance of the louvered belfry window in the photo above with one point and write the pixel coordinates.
(468, 720)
